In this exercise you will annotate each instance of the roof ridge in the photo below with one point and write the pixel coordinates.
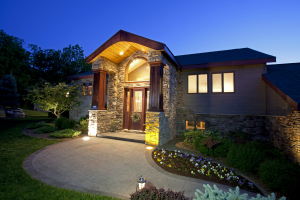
(215, 51)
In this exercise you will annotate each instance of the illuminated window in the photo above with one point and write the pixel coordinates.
(87, 89)
(138, 70)
(197, 83)
(200, 125)
(189, 125)
(223, 82)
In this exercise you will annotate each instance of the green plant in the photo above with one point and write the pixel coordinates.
(135, 117)
(222, 149)
(239, 136)
(82, 118)
(84, 125)
(68, 124)
(65, 133)
(37, 125)
(45, 129)
(194, 138)
(215, 193)
(58, 121)
(246, 157)
(277, 173)
(154, 193)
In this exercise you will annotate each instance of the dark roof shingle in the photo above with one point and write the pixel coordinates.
(286, 77)
(221, 56)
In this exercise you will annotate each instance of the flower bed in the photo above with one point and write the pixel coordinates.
(194, 166)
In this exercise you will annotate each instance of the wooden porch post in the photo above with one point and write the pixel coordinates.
(98, 99)
(156, 87)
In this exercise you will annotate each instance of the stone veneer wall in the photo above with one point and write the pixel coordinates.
(164, 122)
(281, 131)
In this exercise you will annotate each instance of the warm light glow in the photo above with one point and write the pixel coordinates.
(86, 138)
(141, 185)
(202, 83)
(228, 82)
(67, 94)
(149, 148)
(121, 53)
(143, 49)
(192, 84)
(217, 82)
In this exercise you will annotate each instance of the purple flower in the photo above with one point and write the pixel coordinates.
(241, 182)
(232, 169)
(228, 178)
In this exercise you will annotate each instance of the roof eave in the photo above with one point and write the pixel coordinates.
(295, 105)
(231, 63)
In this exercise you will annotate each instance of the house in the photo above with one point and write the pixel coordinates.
(147, 88)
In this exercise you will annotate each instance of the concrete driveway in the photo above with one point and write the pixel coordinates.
(106, 166)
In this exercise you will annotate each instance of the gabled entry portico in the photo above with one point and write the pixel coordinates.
(141, 87)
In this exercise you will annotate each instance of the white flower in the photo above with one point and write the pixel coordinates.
(178, 151)
(196, 164)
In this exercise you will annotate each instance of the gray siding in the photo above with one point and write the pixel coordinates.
(275, 104)
(249, 95)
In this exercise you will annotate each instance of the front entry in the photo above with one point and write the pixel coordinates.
(136, 102)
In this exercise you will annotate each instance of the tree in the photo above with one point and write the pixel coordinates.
(8, 91)
(55, 66)
(55, 98)
(14, 58)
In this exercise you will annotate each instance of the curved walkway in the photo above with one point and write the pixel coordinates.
(105, 166)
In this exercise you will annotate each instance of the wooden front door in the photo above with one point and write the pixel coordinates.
(135, 102)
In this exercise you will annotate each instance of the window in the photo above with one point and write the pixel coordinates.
(197, 83)
(223, 82)
(87, 89)
(189, 125)
(200, 125)
(138, 70)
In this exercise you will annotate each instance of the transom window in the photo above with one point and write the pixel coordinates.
(138, 70)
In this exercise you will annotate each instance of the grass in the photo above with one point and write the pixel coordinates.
(15, 183)
(32, 113)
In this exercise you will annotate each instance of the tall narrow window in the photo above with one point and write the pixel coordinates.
(202, 83)
(228, 82)
(217, 82)
(192, 84)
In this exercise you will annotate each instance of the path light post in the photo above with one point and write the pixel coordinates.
(140, 183)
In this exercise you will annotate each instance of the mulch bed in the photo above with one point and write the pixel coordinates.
(181, 165)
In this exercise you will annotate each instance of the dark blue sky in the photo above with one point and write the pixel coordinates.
(186, 26)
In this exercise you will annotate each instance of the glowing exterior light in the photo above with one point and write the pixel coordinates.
(121, 53)
(67, 94)
(141, 183)
(86, 138)
(143, 49)
(149, 148)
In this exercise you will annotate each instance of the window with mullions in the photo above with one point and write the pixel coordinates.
(197, 83)
(223, 82)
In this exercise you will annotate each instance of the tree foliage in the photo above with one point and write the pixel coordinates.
(55, 98)
(55, 66)
(16, 60)
(8, 91)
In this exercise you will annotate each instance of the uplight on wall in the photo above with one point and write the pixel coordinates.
(121, 53)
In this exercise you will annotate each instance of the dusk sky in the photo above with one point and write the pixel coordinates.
(186, 26)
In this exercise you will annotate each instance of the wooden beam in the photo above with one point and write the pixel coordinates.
(156, 86)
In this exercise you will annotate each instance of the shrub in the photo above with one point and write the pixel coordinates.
(239, 137)
(281, 175)
(45, 129)
(58, 121)
(68, 124)
(65, 133)
(232, 194)
(37, 125)
(153, 193)
(219, 150)
(246, 157)
(84, 125)
(82, 118)
(194, 138)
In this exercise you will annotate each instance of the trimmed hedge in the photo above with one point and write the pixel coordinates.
(154, 193)
(65, 133)
(65, 123)
(45, 129)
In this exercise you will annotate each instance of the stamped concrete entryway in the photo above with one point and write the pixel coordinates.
(105, 166)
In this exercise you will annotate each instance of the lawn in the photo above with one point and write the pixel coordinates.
(15, 183)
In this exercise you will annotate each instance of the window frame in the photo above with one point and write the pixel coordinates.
(222, 82)
(197, 83)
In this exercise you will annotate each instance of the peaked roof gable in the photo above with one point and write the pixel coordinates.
(284, 79)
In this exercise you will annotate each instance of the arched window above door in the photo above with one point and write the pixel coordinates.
(138, 70)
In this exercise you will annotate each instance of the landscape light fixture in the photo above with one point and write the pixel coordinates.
(140, 183)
